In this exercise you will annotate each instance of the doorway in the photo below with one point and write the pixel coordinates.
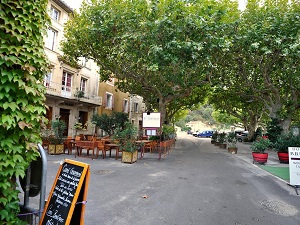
(64, 116)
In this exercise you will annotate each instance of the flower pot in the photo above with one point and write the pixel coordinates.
(55, 149)
(283, 157)
(232, 150)
(223, 146)
(216, 143)
(129, 157)
(260, 157)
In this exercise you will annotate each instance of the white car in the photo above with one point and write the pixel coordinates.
(195, 134)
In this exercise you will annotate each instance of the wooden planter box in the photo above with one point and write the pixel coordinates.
(232, 150)
(55, 149)
(223, 146)
(129, 157)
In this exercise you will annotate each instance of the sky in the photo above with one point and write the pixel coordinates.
(75, 4)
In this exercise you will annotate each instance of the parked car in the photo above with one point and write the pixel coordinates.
(206, 134)
(241, 136)
(189, 132)
(195, 134)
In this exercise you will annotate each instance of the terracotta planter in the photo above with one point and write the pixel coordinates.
(260, 157)
(212, 142)
(216, 143)
(223, 146)
(283, 157)
(129, 157)
(232, 150)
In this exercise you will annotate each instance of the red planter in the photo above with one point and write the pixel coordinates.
(283, 157)
(260, 157)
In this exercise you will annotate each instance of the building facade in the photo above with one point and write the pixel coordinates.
(71, 93)
(75, 94)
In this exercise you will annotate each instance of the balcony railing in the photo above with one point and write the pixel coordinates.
(60, 90)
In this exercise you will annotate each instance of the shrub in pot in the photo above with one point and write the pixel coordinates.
(214, 137)
(126, 137)
(282, 143)
(222, 140)
(258, 148)
(56, 140)
(231, 143)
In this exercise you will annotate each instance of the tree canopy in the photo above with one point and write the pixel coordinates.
(160, 50)
(261, 67)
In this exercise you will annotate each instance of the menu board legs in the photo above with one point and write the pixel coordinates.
(67, 198)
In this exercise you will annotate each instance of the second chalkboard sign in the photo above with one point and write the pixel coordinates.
(69, 189)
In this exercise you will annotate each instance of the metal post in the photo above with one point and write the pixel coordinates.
(43, 179)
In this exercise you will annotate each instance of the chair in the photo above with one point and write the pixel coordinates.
(101, 147)
(67, 145)
(149, 146)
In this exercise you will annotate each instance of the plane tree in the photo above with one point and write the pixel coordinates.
(160, 50)
(262, 64)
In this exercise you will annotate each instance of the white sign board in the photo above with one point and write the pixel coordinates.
(152, 120)
(294, 165)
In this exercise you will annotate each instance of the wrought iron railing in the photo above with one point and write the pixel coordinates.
(74, 93)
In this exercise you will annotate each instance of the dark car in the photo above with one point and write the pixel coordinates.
(241, 136)
(206, 133)
(189, 132)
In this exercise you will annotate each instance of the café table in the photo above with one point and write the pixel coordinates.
(111, 146)
(142, 145)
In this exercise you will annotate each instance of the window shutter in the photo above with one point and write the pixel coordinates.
(105, 100)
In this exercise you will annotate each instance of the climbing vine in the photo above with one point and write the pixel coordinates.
(22, 67)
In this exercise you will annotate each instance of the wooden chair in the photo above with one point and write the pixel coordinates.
(149, 146)
(101, 147)
(67, 145)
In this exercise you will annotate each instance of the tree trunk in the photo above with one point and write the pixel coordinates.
(286, 123)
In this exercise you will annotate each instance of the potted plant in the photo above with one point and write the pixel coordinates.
(282, 144)
(258, 148)
(126, 137)
(231, 143)
(222, 140)
(56, 140)
(214, 137)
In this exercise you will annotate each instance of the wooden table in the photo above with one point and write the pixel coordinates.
(142, 144)
(110, 146)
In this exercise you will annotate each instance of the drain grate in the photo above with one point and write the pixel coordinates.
(279, 207)
(103, 172)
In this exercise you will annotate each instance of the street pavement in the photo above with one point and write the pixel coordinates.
(197, 183)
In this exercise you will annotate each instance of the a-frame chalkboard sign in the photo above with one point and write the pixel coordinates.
(67, 198)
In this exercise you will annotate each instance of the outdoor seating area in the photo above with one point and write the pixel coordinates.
(93, 147)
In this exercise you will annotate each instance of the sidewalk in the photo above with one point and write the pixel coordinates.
(273, 166)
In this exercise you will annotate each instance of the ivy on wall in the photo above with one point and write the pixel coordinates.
(22, 67)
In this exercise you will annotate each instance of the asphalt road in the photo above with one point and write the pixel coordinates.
(197, 183)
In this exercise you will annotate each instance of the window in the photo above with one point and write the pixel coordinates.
(109, 100)
(47, 79)
(66, 82)
(83, 83)
(125, 106)
(54, 13)
(136, 107)
(51, 37)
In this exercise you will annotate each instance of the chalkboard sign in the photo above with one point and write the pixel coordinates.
(66, 202)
